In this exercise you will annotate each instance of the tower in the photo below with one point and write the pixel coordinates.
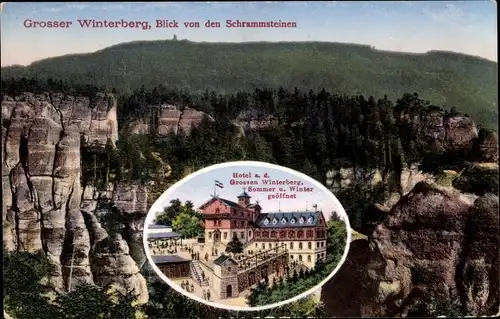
(244, 199)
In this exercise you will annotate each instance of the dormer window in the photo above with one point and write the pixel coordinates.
(283, 220)
(275, 221)
(292, 221)
(301, 220)
(266, 221)
(310, 220)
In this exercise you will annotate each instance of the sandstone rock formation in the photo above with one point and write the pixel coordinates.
(393, 184)
(166, 119)
(44, 206)
(460, 132)
(486, 146)
(427, 246)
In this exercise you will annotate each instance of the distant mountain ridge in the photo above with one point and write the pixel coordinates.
(444, 78)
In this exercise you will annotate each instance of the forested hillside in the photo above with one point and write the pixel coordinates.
(313, 131)
(448, 79)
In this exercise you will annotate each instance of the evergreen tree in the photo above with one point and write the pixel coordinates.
(235, 246)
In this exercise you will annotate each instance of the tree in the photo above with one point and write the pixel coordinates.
(188, 223)
(169, 212)
(24, 294)
(235, 246)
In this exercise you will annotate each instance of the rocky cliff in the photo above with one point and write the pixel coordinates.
(432, 241)
(44, 205)
(427, 249)
(166, 119)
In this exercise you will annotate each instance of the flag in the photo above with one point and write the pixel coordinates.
(219, 184)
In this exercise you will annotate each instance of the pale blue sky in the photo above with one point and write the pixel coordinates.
(199, 190)
(460, 26)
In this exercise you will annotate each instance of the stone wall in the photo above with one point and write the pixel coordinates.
(244, 277)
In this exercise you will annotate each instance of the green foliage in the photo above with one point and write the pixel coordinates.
(169, 213)
(336, 240)
(188, 222)
(235, 246)
(90, 301)
(469, 83)
(433, 304)
(26, 295)
(478, 180)
(312, 132)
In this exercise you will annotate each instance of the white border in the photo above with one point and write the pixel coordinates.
(150, 216)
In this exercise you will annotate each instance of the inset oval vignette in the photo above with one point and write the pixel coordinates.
(226, 216)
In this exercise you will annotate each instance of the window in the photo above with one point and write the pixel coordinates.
(270, 245)
(293, 221)
(291, 257)
(317, 244)
(300, 234)
(250, 234)
(228, 268)
(300, 257)
(310, 220)
(242, 235)
(309, 245)
(291, 245)
(291, 234)
(283, 220)
(209, 235)
(275, 221)
(263, 246)
(282, 234)
(301, 220)
(225, 235)
(256, 245)
(275, 244)
(273, 234)
(217, 211)
(322, 244)
(309, 258)
(300, 245)
(266, 221)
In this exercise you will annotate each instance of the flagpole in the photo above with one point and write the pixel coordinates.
(215, 189)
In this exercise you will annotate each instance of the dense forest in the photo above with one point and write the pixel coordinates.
(309, 131)
(312, 131)
(444, 78)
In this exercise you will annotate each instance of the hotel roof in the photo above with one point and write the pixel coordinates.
(289, 219)
(164, 235)
(225, 201)
(168, 259)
